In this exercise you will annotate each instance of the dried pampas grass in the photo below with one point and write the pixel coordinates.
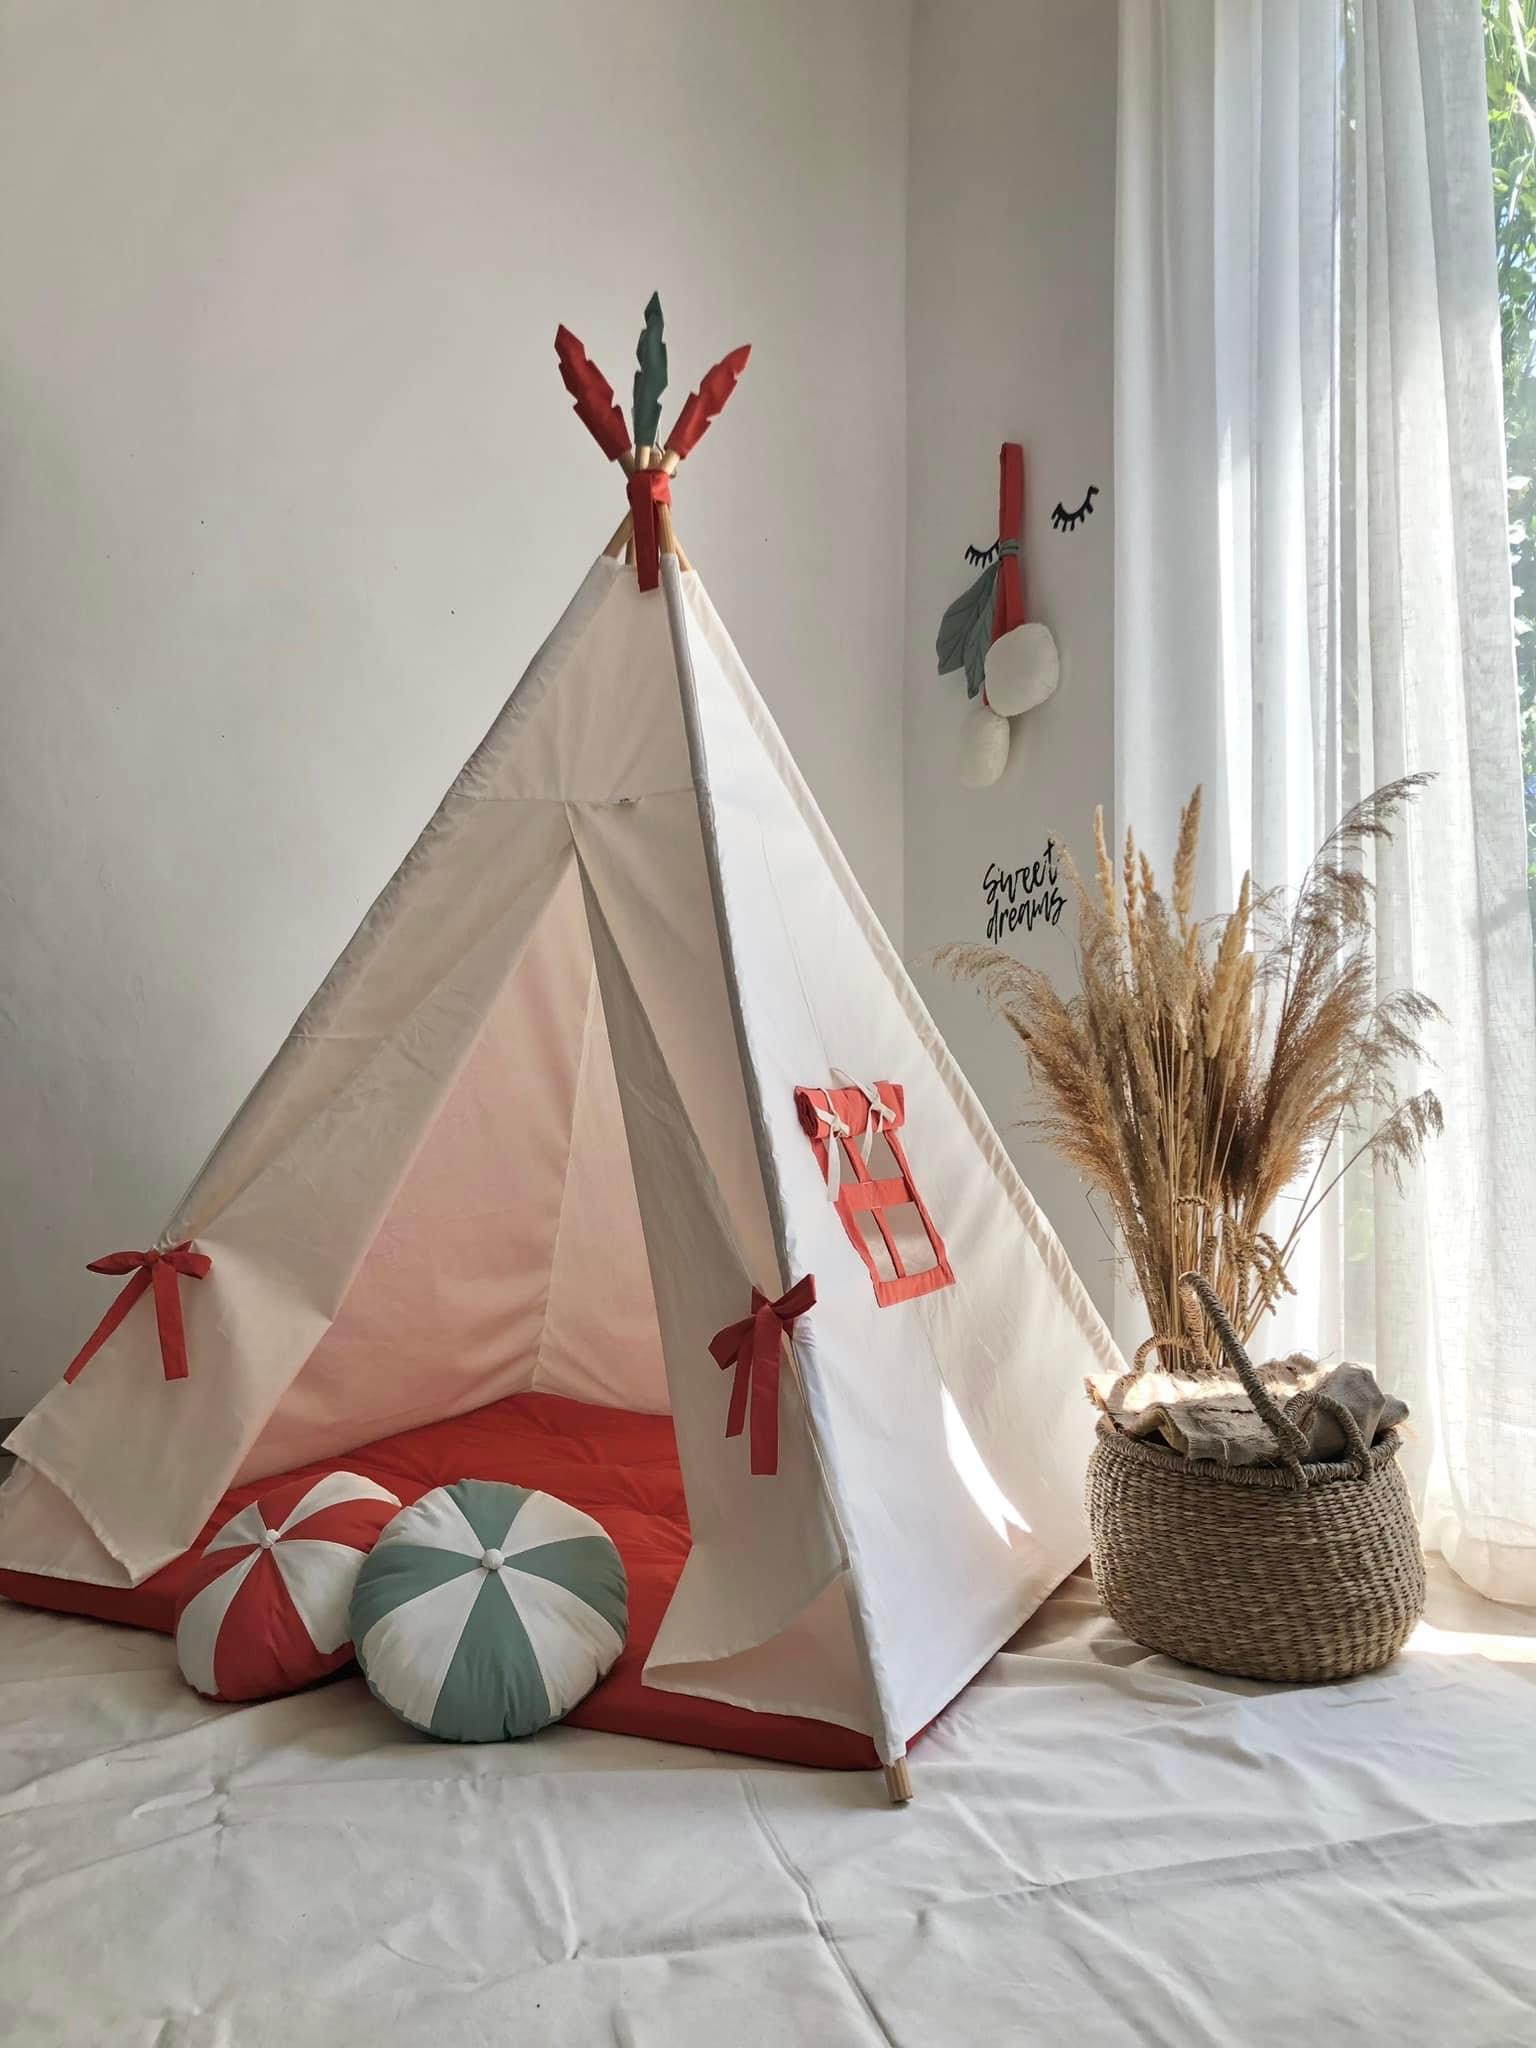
(1203, 1070)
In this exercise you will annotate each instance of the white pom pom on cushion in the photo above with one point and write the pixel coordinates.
(1023, 669)
(487, 1611)
(264, 1610)
(983, 746)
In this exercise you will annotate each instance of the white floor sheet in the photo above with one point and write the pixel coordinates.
(1104, 1848)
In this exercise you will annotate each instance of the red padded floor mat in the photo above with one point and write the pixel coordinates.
(618, 1467)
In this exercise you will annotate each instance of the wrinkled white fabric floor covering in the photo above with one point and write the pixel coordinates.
(1104, 1848)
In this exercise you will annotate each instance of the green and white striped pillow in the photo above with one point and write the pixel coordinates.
(485, 1611)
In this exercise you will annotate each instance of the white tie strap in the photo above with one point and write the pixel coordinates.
(880, 1112)
(836, 1129)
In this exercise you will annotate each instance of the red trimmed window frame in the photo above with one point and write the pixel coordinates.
(860, 1193)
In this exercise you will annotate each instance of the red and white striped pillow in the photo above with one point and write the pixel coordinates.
(265, 1609)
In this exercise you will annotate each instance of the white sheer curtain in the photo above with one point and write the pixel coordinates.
(1313, 597)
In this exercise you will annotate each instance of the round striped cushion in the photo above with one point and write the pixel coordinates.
(487, 1611)
(264, 1610)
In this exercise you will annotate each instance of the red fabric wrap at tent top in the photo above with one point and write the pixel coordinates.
(648, 488)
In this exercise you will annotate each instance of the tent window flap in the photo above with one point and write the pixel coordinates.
(855, 1133)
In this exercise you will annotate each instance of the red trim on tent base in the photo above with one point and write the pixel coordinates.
(620, 1468)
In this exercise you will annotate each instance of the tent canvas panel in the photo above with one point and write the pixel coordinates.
(601, 1344)
(285, 1246)
(424, 1325)
(539, 1128)
(292, 1196)
(478, 1283)
(764, 1551)
(953, 1425)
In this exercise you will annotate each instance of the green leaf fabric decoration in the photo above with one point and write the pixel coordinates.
(651, 377)
(965, 631)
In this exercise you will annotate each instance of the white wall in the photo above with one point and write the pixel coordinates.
(1009, 337)
(290, 490)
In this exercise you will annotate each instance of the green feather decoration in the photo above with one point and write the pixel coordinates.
(965, 632)
(651, 377)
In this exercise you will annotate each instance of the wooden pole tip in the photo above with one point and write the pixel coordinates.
(898, 1782)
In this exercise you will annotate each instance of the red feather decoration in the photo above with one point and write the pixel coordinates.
(702, 405)
(593, 394)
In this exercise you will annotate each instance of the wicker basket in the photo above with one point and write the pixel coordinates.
(1300, 1571)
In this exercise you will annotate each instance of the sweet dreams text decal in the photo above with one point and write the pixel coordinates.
(1027, 895)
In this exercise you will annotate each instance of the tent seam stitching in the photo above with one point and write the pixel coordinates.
(565, 1178)
(592, 803)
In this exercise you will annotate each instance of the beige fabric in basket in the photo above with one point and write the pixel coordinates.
(1213, 1418)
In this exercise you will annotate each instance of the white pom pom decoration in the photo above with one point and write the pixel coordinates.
(1023, 669)
(983, 746)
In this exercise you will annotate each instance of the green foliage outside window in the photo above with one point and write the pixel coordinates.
(1509, 29)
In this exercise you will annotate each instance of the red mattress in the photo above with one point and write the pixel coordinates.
(621, 1468)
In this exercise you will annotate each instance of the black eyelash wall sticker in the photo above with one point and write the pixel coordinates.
(1065, 521)
(979, 557)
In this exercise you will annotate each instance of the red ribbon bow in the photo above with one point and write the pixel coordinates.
(149, 1269)
(648, 488)
(752, 1346)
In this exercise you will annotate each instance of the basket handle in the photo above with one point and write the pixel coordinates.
(1289, 1440)
(1359, 1450)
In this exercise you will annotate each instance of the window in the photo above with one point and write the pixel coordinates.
(855, 1134)
(1509, 28)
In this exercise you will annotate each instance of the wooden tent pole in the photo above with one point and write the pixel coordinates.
(667, 542)
(898, 1782)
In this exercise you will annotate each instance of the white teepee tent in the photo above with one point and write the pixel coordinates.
(563, 1104)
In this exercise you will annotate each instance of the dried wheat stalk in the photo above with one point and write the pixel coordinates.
(1202, 1070)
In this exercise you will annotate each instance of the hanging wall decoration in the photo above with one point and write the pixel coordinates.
(1010, 665)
